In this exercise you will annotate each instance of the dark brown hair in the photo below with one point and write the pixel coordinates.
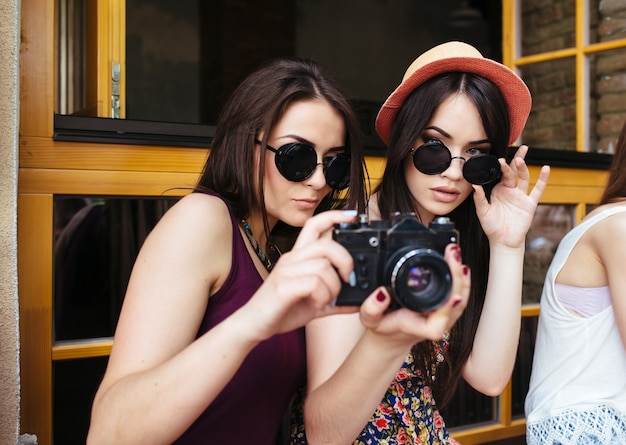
(256, 105)
(394, 196)
(616, 182)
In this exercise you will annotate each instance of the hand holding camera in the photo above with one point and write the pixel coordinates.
(403, 255)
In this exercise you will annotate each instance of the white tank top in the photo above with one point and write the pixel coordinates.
(579, 366)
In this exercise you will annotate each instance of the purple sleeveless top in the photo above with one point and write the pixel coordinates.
(251, 406)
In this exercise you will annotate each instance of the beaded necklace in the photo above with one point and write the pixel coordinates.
(267, 262)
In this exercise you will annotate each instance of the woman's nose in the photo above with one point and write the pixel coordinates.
(455, 169)
(318, 177)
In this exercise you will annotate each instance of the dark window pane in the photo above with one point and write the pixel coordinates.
(96, 242)
(550, 224)
(163, 53)
(75, 383)
(184, 58)
(523, 365)
(469, 407)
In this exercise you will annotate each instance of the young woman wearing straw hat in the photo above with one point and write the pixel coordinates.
(447, 127)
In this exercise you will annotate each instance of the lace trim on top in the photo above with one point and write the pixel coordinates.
(601, 426)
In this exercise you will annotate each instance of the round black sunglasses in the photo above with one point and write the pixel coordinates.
(297, 161)
(434, 157)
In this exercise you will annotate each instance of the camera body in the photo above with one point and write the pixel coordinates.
(401, 254)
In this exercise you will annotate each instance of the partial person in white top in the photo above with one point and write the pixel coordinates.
(577, 391)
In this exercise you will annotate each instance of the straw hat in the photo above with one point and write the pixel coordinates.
(458, 56)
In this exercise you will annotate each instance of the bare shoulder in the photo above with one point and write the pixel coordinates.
(184, 260)
(187, 238)
(200, 208)
(610, 230)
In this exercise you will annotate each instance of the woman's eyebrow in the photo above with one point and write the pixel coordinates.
(303, 140)
(439, 130)
(447, 135)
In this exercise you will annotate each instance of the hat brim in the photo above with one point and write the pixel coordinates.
(512, 87)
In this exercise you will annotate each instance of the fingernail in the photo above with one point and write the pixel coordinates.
(456, 302)
(465, 270)
(352, 279)
(333, 303)
(380, 296)
(349, 212)
(456, 251)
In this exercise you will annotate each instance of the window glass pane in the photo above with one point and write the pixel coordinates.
(72, 56)
(184, 58)
(607, 20)
(96, 242)
(547, 25)
(74, 386)
(523, 365)
(552, 121)
(550, 224)
(608, 99)
(162, 77)
(469, 407)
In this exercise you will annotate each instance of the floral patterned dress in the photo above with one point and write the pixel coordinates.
(407, 414)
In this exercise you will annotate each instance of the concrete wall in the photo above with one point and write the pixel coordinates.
(9, 121)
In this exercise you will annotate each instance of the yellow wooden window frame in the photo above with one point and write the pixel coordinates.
(48, 167)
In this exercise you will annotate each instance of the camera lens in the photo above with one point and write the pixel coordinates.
(419, 279)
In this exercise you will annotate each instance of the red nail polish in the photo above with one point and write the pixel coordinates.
(456, 303)
(465, 270)
(380, 296)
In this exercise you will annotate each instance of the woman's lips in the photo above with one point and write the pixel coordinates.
(307, 204)
(445, 194)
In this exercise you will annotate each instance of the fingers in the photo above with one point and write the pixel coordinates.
(320, 225)
(335, 256)
(461, 281)
(408, 327)
(542, 182)
(314, 240)
(516, 174)
(374, 307)
(311, 279)
(521, 152)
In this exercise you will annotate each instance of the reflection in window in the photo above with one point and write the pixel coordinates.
(72, 56)
(162, 79)
(469, 407)
(552, 121)
(96, 243)
(609, 23)
(547, 25)
(184, 58)
(608, 99)
(523, 364)
(550, 224)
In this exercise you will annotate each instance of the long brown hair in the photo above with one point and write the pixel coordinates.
(616, 182)
(394, 196)
(256, 105)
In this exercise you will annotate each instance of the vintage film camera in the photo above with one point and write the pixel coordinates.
(401, 254)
